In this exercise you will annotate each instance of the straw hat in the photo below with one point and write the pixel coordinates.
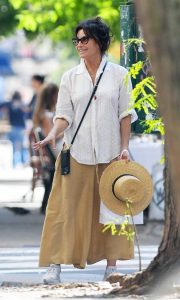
(122, 181)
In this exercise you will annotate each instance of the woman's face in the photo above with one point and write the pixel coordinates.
(87, 48)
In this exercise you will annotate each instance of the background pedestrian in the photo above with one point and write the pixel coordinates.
(16, 112)
(43, 119)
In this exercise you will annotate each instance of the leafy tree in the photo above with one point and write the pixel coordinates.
(8, 21)
(56, 19)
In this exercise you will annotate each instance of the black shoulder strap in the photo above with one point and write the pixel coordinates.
(92, 95)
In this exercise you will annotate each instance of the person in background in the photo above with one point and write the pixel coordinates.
(16, 111)
(72, 232)
(43, 118)
(36, 83)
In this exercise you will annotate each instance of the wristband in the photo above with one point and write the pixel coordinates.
(124, 151)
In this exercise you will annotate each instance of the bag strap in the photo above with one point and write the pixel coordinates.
(92, 95)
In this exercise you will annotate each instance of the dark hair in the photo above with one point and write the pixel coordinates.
(95, 28)
(46, 100)
(16, 96)
(38, 77)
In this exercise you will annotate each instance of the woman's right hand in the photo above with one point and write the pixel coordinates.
(59, 126)
(50, 139)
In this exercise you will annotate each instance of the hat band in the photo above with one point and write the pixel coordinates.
(114, 182)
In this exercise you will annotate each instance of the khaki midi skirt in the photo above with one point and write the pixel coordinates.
(72, 233)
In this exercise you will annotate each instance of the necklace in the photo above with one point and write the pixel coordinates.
(92, 75)
(92, 68)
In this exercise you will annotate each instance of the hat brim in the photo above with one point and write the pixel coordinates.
(119, 168)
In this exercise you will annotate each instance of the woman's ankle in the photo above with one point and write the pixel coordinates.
(111, 263)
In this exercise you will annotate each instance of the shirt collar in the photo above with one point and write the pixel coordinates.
(82, 67)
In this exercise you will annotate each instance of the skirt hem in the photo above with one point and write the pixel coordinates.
(82, 266)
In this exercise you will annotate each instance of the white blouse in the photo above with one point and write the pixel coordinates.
(98, 139)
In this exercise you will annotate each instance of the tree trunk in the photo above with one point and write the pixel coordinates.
(160, 21)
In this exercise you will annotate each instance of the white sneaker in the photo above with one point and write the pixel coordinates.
(109, 271)
(52, 275)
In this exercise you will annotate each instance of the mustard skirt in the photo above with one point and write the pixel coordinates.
(72, 233)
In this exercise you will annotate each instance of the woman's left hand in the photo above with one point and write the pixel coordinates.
(124, 155)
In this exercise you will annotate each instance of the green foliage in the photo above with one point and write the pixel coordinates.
(8, 20)
(132, 42)
(155, 125)
(144, 97)
(57, 19)
(123, 229)
(135, 69)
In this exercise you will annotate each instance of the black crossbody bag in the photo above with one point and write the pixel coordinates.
(65, 153)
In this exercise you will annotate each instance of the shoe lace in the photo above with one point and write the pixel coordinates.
(111, 270)
(52, 269)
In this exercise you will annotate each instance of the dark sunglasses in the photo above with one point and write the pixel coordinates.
(84, 40)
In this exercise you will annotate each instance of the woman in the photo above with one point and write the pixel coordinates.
(72, 233)
(37, 82)
(43, 118)
(45, 107)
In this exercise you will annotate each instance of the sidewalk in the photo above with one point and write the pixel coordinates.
(19, 248)
(15, 188)
(25, 230)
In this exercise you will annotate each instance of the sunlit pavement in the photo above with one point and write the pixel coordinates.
(21, 265)
(20, 236)
(15, 188)
(19, 250)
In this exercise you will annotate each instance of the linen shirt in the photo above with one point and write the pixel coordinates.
(98, 139)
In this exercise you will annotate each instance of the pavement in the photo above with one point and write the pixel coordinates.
(20, 265)
(20, 239)
(19, 249)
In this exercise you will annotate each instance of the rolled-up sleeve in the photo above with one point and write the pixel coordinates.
(64, 108)
(125, 107)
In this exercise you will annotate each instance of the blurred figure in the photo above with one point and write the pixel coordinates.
(45, 107)
(43, 118)
(1, 89)
(15, 110)
(36, 83)
(1, 92)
